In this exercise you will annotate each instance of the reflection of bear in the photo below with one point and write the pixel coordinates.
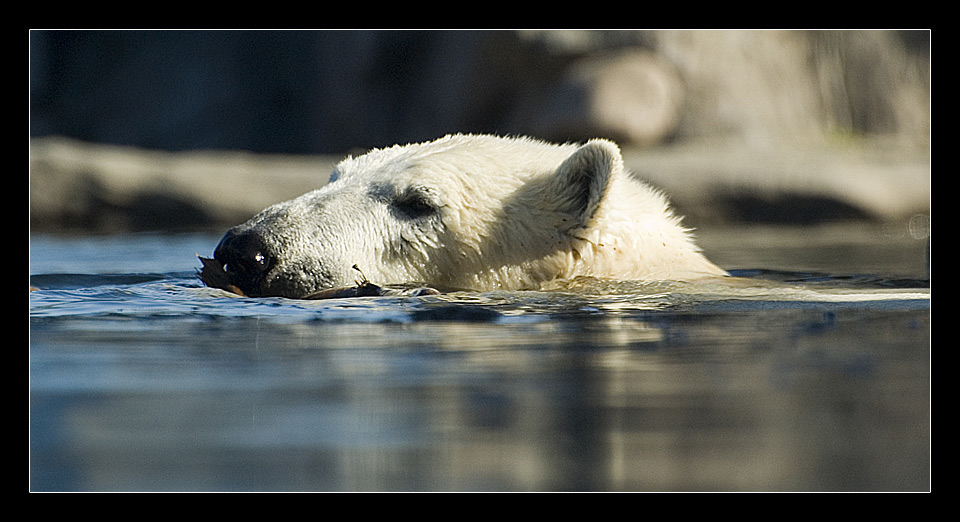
(465, 211)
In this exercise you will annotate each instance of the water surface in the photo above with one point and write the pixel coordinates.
(810, 371)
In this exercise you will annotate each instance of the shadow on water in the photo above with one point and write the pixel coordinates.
(772, 380)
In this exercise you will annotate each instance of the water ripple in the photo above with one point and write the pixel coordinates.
(179, 294)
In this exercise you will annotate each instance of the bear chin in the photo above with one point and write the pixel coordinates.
(213, 275)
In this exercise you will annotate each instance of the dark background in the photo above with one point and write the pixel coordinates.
(273, 91)
(333, 91)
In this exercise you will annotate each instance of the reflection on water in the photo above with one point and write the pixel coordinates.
(141, 379)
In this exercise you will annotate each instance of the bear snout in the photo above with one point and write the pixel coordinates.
(246, 258)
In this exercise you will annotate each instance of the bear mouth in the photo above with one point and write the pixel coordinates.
(213, 275)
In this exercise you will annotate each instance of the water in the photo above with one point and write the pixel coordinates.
(810, 372)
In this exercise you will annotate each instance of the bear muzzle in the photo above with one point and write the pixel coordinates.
(246, 259)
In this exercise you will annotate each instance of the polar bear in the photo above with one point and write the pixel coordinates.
(476, 212)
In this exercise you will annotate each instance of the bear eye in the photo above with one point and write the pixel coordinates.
(415, 204)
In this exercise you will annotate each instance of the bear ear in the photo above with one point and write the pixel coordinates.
(583, 179)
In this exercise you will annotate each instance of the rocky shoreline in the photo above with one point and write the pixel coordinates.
(78, 187)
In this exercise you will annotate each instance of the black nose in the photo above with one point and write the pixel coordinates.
(246, 258)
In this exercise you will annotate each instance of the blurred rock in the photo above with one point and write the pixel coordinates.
(728, 182)
(628, 95)
(734, 125)
(81, 187)
(767, 87)
(309, 92)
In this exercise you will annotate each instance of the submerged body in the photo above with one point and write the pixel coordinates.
(466, 211)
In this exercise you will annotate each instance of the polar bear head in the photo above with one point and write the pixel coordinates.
(465, 211)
